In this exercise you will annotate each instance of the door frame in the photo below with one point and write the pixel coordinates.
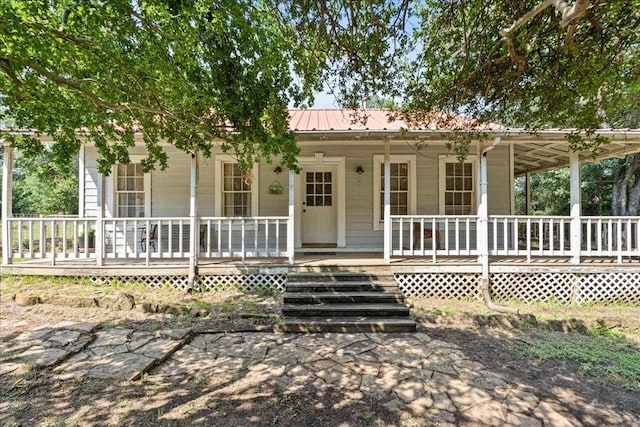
(339, 195)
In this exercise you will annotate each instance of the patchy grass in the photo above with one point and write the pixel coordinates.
(603, 353)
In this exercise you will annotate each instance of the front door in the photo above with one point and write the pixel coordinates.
(319, 213)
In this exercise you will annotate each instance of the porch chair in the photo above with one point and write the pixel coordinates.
(428, 234)
(151, 239)
(203, 236)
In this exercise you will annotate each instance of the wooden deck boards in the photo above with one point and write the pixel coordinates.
(346, 261)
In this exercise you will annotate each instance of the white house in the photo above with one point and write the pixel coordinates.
(366, 198)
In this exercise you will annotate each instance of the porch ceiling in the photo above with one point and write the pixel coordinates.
(539, 156)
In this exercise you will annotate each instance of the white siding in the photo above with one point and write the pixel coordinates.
(170, 188)
(499, 177)
(273, 204)
(91, 180)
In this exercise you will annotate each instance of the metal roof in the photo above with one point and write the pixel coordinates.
(533, 152)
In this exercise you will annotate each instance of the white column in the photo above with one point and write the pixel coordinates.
(576, 208)
(7, 211)
(81, 181)
(291, 220)
(527, 192)
(99, 223)
(387, 201)
(482, 232)
(194, 241)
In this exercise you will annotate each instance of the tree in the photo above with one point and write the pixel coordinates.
(609, 187)
(189, 72)
(43, 186)
(196, 71)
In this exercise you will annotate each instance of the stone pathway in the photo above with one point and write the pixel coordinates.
(415, 375)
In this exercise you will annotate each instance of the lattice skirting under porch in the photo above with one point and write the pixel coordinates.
(563, 288)
(248, 283)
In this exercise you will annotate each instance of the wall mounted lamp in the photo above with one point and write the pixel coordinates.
(278, 169)
(359, 170)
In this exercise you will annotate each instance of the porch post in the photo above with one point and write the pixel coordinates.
(99, 232)
(483, 219)
(7, 211)
(290, 221)
(527, 192)
(387, 201)
(576, 208)
(194, 244)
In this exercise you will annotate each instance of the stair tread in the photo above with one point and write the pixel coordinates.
(344, 294)
(345, 320)
(368, 306)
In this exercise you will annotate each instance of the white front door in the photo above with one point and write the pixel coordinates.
(319, 212)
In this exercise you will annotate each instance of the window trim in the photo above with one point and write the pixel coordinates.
(147, 188)
(443, 159)
(378, 169)
(220, 160)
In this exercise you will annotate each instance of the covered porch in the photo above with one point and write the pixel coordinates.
(478, 243)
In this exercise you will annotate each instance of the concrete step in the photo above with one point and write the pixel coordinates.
(345, 310)
(345, 286)
(342, 297)
(347, 324)
(339, 277)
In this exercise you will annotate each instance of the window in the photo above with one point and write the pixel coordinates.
(234, 195)
(319, 189)
(236, 192)
(457, 186)
(402, 189)
(130, 191)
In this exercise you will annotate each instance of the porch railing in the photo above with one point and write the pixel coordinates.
(418, 235)
(529, 236)
(514, 236)
(244, 237)
(146, 238)
(413, 235)
(55, 238)
(606, 236)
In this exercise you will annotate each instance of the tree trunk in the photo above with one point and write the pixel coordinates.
(625, 198)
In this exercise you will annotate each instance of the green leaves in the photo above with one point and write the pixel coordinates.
(110, 73)
(197, 73)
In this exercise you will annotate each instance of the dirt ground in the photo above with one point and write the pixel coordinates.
(34, 397)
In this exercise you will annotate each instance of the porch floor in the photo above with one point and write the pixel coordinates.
(340, 261)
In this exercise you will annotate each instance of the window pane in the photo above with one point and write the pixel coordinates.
(310, 188)
(327, 189)
(327, 177)
(404, 184)
(468, 184)
(309, 176)
(448, 198)
(327, 201)
(310, 200)
(228, 184)
(394, 184)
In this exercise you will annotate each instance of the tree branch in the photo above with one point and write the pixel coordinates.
(118, 106)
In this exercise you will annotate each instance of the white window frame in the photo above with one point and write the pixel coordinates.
(147, 189)
(220, 160)
(378, 170)
(442, 173)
